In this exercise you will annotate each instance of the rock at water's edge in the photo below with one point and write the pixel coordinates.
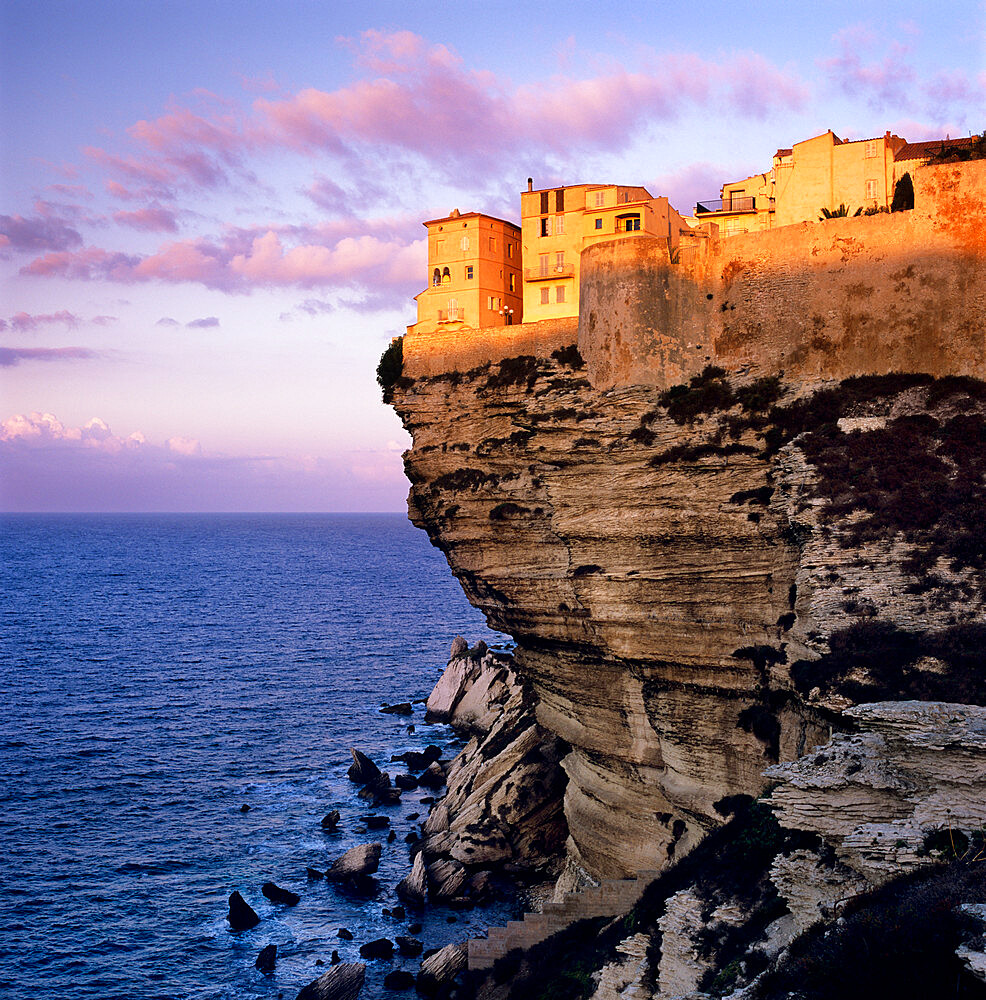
(378, 948)
(363, 771)
(441, 968)
(241, 914)
(267, 959)
(413, 887)
(278, 895)
(363, 859)
(343, 982)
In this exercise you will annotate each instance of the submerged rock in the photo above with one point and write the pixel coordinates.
(378, 948)
(433, 776)
(331, 820)
(278, 895)
(241, 914)
(314, 873)
(343, 982)
(358, 861)
(398, 980)
(402, 708)
(344, 934)
(409, 946)
(267, 959)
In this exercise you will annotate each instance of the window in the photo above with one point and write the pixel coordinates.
(559, 224)
(871, 189)
(599, 223)
(436, 277)
(469, 273)
(544, 202)
(464, 243)
(492, 244)
(560, 293)
(546, 227)
(560, 200)
(628, 224)
(453, 310)
(493, 302)
(513, 282)
(560, 260)
(600, 196)
(544, 296)
(446, 277)
(543, 264)
(510, 249)
(870, 148)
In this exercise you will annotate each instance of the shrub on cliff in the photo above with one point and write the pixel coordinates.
(391, 367)
(703, 393)
(903, 195)
(898, 941)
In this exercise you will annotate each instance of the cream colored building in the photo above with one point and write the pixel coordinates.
(557, 224)
(819, 173)
(474, 274)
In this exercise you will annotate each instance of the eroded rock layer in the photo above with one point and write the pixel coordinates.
(690, 574)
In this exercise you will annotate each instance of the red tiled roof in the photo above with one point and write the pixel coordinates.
(918, 150)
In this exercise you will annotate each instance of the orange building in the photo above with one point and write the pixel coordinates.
(557, 224)
(474, 273)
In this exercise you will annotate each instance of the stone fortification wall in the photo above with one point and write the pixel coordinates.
(871, 294)
(445, 351)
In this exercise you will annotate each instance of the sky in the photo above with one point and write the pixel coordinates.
(210, 210)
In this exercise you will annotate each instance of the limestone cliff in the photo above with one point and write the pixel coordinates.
(700, 579)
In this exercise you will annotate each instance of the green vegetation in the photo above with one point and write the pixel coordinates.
(903, 200)
(390, 368)
(569, 356)
(842, 212)
(898, 941)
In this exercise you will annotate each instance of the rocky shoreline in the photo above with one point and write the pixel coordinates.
(500, 822)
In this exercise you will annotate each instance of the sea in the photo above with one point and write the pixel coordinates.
(180, 696)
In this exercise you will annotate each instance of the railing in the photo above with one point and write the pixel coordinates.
(726, 205)
(548, 272)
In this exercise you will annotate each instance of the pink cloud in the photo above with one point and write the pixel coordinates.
(883, 83)
(206, 323)
(87, 263)
(39, 233)
(105, 320)
(154, 219)
(24, 322)
(10, 356)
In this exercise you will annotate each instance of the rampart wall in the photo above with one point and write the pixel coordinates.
(463, 349)
(871, 294)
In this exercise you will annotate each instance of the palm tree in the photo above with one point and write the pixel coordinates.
(841, 212)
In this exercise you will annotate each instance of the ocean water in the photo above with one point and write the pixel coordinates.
(161, 671)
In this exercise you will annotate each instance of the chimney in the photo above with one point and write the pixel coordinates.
(530, 183)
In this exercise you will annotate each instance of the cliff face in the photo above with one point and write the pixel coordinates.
(691, 574)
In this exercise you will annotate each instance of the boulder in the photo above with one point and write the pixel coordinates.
(334, 958)
(433, 776)
(378, 948)
(278, 895)
(358, 861)
(387, 796)
(343, 982)
(398, 980)
(406, 782)
(445, 879)
(453, 683)
(363, 771)
(267, 959)
(438, 970)
(402, 708)
(314, 873)
(392, 836)
(331, 820)
(459, 648)
(375, 822)
(241, 914)
(344, 934)
(418, 760)
(414, 886)
(409, 946)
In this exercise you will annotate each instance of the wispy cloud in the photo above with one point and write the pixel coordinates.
(37, 233)
(153, 219)
(205, 323)
(10, 356)
(23, 322)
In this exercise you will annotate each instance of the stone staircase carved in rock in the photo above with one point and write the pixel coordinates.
(610, 898)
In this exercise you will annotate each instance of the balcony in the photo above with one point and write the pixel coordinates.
(548, 272)
(450, 316)
(727, 205)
